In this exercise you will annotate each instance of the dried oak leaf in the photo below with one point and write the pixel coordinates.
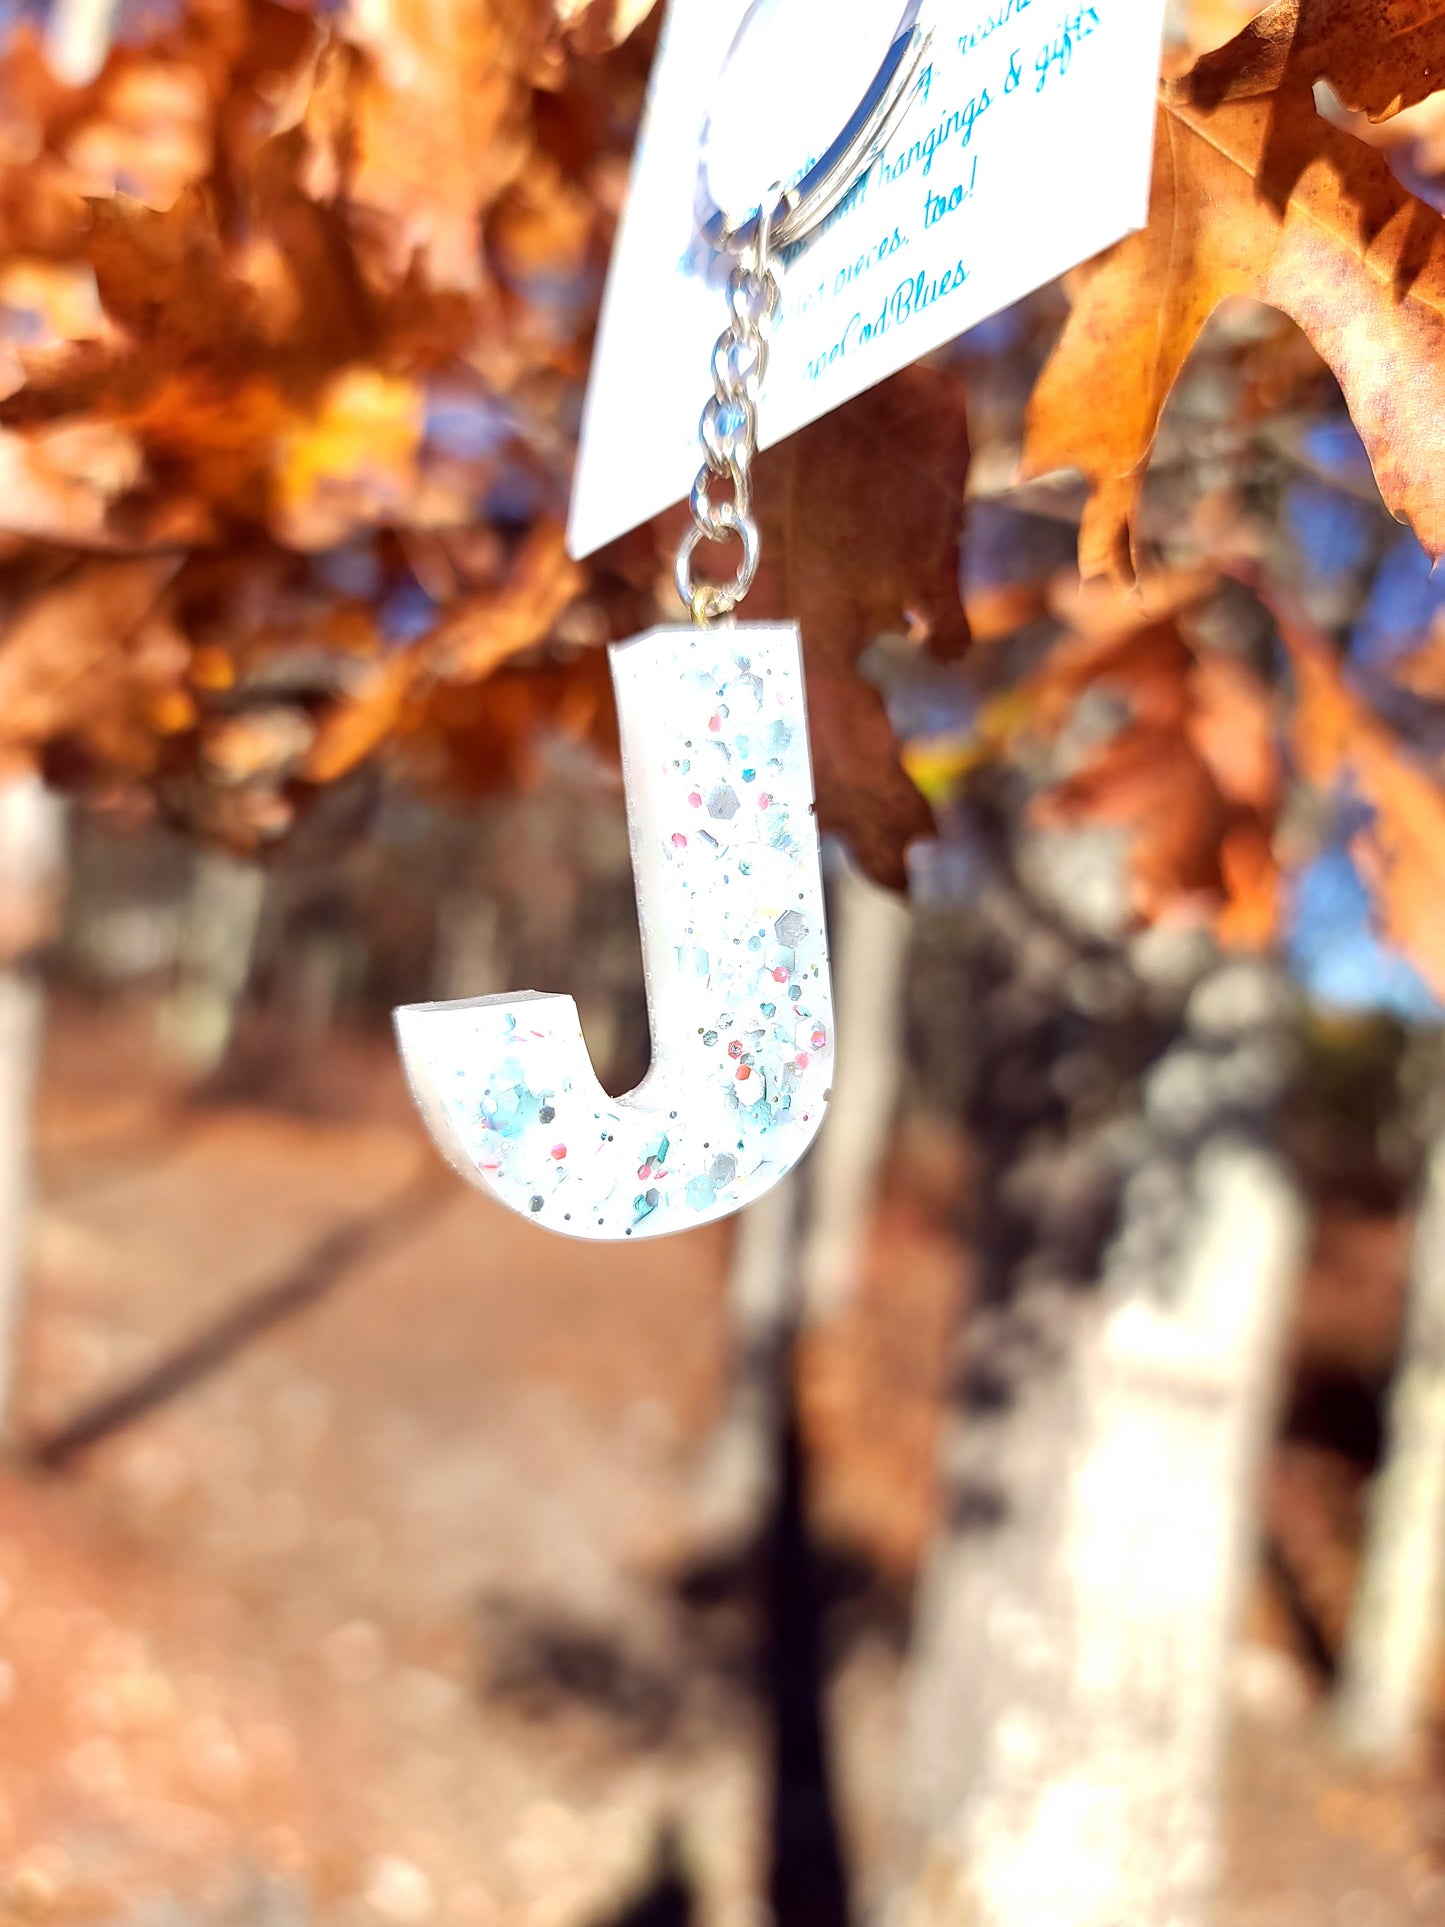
(62, 483)
(1193, 775)
(861, 514)
(480, 632)
(1378, 55)
(542, 225)
(1422, 670)
(151, 128)
(441, 126)
(1401, 854)
(88, 657)
(479, 738)
(163, 276)
(1341, 248)
(472, 639)
(352, 462)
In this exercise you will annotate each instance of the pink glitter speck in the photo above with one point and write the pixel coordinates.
(679, 841)
(780, 976)
(819, 1038)
(559, 1150)
(715, 725)
(735, 1048)
(801, 1060)
(764, 800)
(695, 800)
(744, 1072)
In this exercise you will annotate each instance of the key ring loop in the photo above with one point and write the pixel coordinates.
(796, 207)
(710, 600)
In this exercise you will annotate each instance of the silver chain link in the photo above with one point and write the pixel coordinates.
(728, 429)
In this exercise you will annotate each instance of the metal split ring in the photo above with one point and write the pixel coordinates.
(710, 600)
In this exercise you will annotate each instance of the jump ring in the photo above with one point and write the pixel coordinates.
(709, 600)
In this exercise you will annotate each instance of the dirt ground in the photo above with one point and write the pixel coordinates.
(346, 1589)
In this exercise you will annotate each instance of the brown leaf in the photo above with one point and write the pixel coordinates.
(1256, 197)
(1378, 55)
(483, 737)
(353, 462)
(542, 224)
(1249, 872)
(480, 632)
(356, 728)
(861, 514)
(163, 275)
(1422, 671)
(441, 128)
(1401, 855)
(1193, 775)
(864, 794)
(61, 483)
(474, 638)
(78, 657)
(1147, 780)
(1230, 723)
(151, 129)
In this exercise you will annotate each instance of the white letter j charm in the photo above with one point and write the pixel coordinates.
(719, 791)
(719, 786)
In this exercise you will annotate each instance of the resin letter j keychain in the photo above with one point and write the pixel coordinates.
(715, 759)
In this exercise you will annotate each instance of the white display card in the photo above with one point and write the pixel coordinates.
(1024, 150)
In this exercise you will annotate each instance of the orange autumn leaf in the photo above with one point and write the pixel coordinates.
(1422, 670)
(542, 225)
(1147, 781)
(1193, 775)
(363, 721)
(62, 483)
(353, 462)
(1338, 738)
(1249, 872)
(1378, 55)
(440, 130)
(1258, 196)
(480, 632)
(1231, 725)
(470, 641)
(85, 658)
(259, 312)
(441, 120)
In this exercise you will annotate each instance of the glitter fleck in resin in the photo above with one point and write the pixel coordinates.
(736, 959)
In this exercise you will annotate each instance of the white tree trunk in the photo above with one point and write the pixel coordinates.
(737, 1480)
(1393, 1637)
(31, 866)
(22, 1024)
(214, 952)
(871, 933)
(1077, 1612)
(799, 1250)
(468, 961)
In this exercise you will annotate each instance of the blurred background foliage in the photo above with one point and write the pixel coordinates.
(1034, 1513)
